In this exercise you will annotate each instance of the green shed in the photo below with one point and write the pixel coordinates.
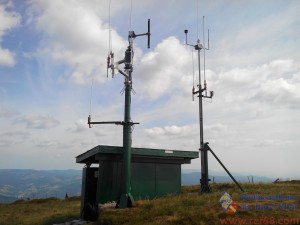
(155, 173)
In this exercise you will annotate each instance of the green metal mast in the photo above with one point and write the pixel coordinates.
(125, 199)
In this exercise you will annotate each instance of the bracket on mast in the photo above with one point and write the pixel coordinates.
(133, 35)
(110, 122)
(128, 54)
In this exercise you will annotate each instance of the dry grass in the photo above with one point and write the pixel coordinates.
(188, 208)
(39, 211)
(192, 208)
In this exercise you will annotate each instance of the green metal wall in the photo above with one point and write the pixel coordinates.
(109, 181)
(168, 179)
(143, 180)
(148, 180)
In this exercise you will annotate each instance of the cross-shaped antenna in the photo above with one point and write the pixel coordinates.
(128, 54)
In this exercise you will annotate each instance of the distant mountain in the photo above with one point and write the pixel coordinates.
(192, 177)
(21, 184)
(7, 199)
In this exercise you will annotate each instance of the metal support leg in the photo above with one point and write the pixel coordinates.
(209, 149)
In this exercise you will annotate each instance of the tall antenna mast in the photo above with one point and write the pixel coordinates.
(202, 93)
(125, 200)
(205, 187)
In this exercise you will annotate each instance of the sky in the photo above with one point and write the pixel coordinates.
(53, 75)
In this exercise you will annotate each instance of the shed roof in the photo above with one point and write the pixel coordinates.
(104, 152)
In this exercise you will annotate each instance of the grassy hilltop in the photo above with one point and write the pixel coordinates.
(187, 208)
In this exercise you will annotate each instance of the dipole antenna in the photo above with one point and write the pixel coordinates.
(125, 199)
(202, 93)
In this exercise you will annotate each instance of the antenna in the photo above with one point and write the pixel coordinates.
(204, 59)
(193, 75)
(110, 57)
(130, 24)
(202, 93)
(128, 54)
(148, 34)
(205, 187)
(109, 27)
(125, 199)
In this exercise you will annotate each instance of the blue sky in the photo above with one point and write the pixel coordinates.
(50, 51)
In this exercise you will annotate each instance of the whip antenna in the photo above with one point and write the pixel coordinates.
(204, 59)
(91, 97)
(109, 31)
(110, 57)
(197, 19)
(130, 15)
(193, 75)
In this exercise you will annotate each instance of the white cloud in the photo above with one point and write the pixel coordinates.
(48, 144)
(172, 130)
(165, 69)
(12, 138)
(8, 20)
(6, 57)
(169, 137)
(271, 83)
(38, 121)
(6, 112)
(256, 40)
(214, 130)
(80, 126)
(78, 37)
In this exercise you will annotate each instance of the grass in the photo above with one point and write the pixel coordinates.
(191, 208)
(40, 211)
(187, 209)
